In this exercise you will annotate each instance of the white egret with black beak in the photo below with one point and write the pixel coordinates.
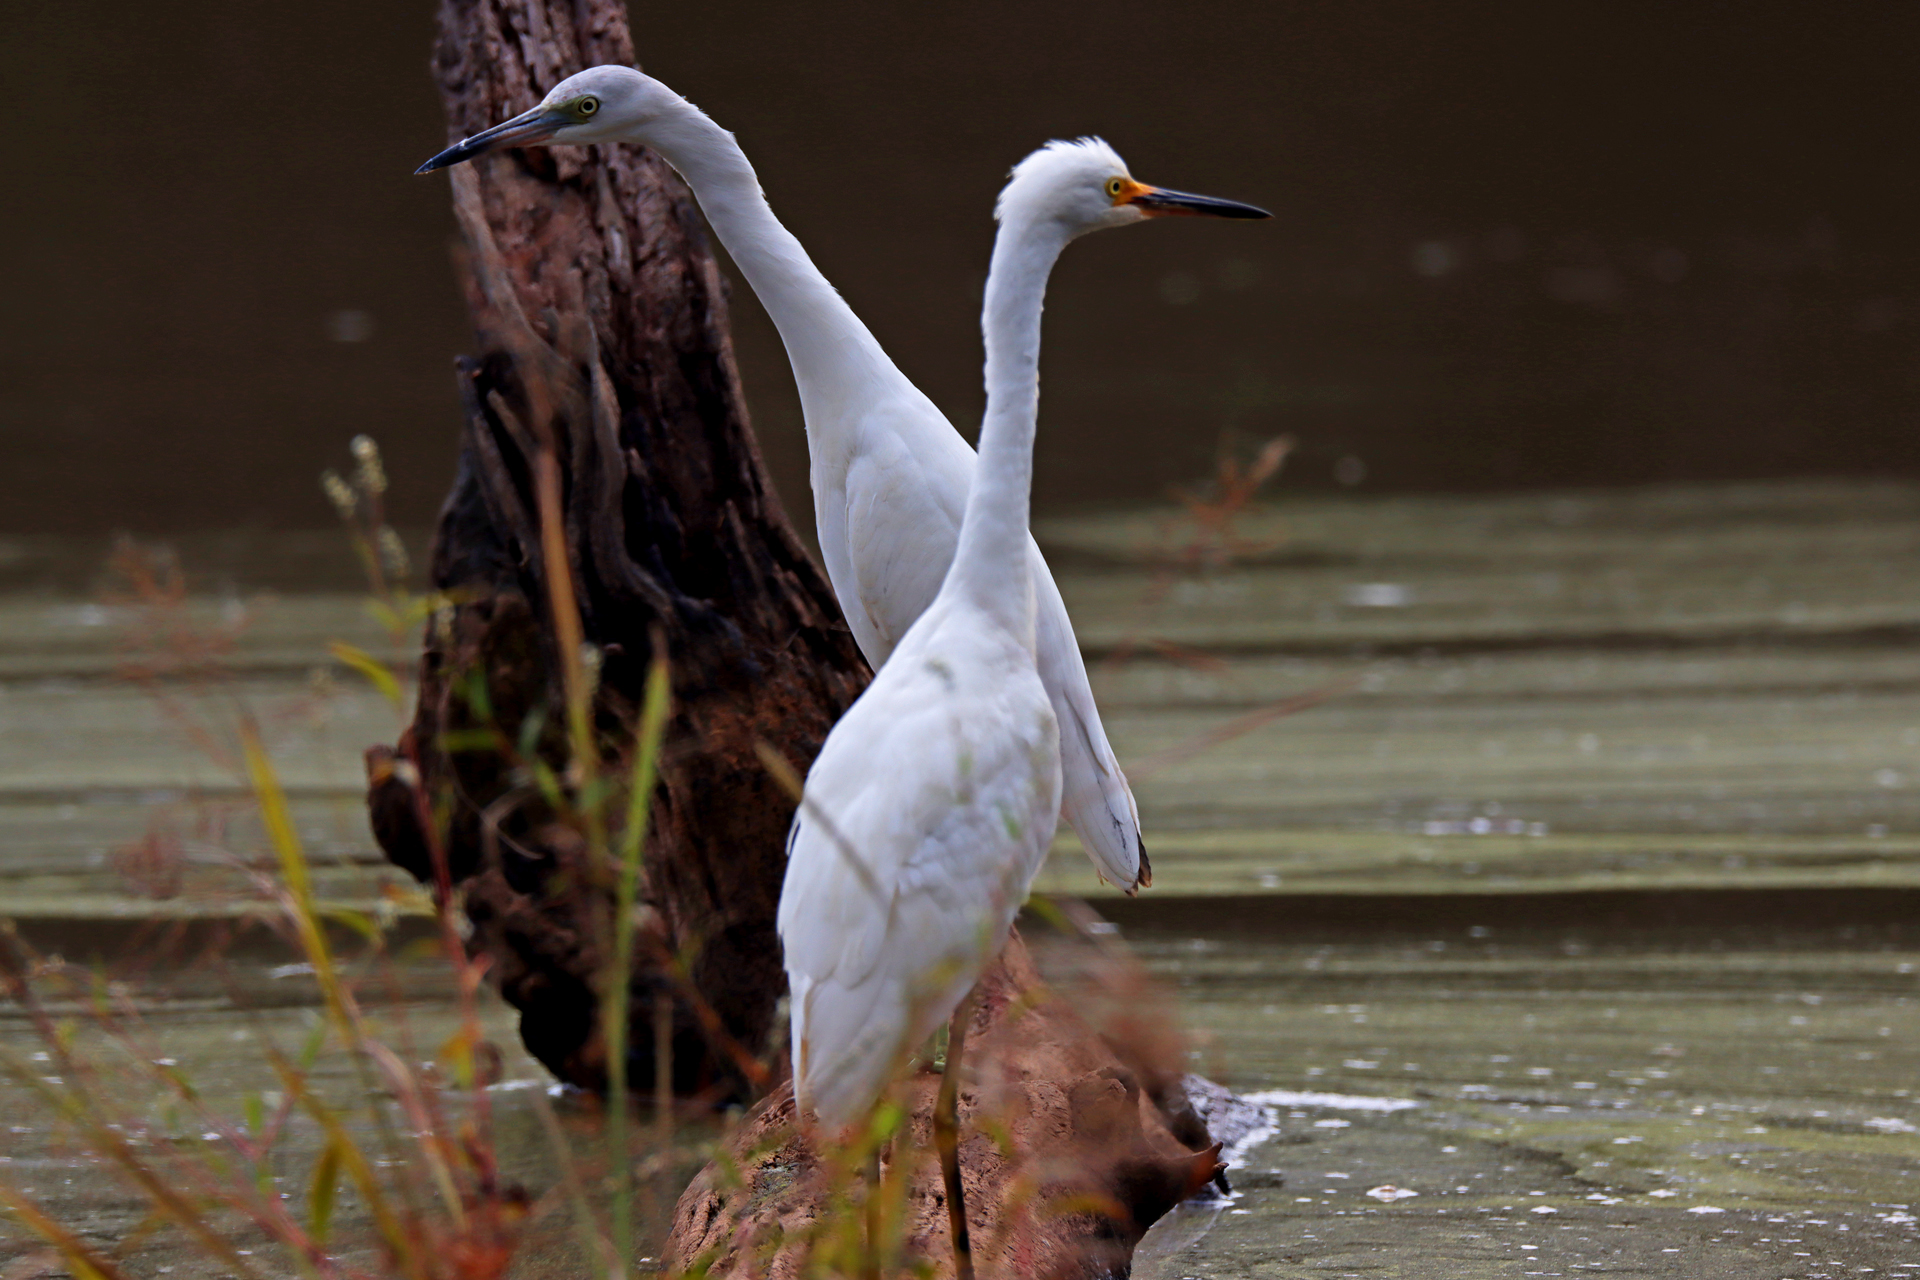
(890, 474)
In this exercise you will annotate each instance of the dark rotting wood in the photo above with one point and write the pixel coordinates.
(601, 322)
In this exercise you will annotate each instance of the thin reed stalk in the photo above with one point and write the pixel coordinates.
(618, 987)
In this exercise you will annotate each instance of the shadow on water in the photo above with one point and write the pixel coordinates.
(1685, 918)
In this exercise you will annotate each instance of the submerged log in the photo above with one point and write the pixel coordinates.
(1076, 1136)
(605, 354)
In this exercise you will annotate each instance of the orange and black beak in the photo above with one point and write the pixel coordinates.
(1158, 202)
(529, 129)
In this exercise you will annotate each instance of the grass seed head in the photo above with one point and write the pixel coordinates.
(393, 552)
(373, 473)
(339, 493)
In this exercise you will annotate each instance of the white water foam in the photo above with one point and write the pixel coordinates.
(1271, 1100)
(1328, 1101)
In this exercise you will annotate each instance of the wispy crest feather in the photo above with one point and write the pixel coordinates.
(1043, 167)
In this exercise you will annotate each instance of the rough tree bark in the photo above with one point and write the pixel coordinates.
(602, 324)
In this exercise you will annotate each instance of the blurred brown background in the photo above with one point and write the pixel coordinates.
(1516, 245)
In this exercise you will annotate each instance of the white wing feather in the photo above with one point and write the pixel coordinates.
(951, 816)
(889, 521)
(894, 566)
(1095, 798)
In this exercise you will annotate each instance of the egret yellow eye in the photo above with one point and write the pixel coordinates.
(1115, 186)
(587, 106)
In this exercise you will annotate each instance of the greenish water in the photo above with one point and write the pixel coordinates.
(1605, 856)
(1666, 1101)
(214, 1023)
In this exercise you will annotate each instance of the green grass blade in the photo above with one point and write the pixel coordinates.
(614, 1009)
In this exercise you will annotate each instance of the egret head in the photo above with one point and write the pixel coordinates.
(598, 105)
(1084, 186)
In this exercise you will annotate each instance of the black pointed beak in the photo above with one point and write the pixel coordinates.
(525, 130)
(1161, 203)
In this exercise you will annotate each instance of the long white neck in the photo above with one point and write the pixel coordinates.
(835, 359)
(990, 564)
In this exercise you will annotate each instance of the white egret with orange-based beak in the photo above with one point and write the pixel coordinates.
(890, 475)
(933, 802)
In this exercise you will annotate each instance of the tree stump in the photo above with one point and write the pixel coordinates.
(604, 349)
(605, 431)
